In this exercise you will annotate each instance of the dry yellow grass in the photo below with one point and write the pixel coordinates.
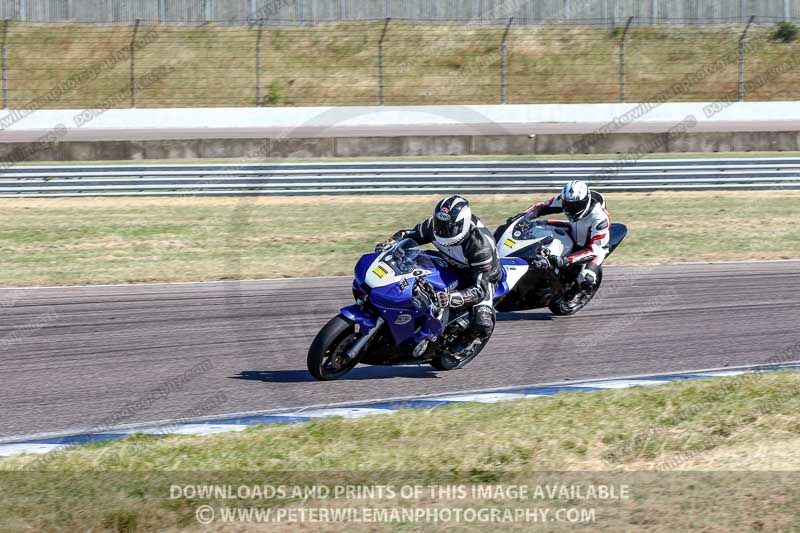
(337, 64)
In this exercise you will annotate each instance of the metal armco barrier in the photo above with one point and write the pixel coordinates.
(396, 177)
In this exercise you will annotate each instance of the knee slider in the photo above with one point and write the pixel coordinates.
(587, 277)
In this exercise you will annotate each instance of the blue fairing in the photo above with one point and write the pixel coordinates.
(409, 320)
(359, 315)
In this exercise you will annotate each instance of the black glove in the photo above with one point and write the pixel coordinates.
(540, 263)
(559, 261)
(511, 220)
(385, 245)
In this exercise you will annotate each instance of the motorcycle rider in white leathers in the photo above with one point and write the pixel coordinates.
(588, 224)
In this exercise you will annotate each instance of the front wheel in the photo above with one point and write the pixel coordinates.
(327, 356)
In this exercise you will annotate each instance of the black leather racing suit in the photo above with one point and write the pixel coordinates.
(477, 264)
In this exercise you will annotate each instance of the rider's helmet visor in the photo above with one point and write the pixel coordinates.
(573, 209)
(447, 229)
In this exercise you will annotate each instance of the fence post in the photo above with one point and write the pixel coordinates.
(23, 10)
(381, 84)
(162, 11)
(613, 13)
(503, 64)
(133, 62)
(209, 10)
(622, 61)
(258, 62)
(5, 64)
(741, 58)
(654, 11)
(786, 10)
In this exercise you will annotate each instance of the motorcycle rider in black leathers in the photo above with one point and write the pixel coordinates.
(465, 243)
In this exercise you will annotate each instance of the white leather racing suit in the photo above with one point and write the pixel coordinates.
(590, 233)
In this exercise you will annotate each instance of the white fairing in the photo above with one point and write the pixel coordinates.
(374, 279)
(514, 273)
(512, 241)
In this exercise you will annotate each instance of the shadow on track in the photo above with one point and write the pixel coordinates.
(510, 317)
(358, 373)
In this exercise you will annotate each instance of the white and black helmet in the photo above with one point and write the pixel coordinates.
(452, 220)
(576, 200)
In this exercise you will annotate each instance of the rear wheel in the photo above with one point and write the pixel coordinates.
(568, 307)
(327, 356)
(445, 361)
(448, 362)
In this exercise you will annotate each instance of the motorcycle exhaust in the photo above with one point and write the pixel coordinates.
(359, 345)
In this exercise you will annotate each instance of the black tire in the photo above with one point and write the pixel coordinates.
(444, 362)
(334, 338)
(560, 307)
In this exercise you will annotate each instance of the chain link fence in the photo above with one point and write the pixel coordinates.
(300, 12)
(390, 62)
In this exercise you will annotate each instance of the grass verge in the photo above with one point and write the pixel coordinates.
(663, 442)
(100, 240)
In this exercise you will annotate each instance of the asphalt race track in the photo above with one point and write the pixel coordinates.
(72, 357)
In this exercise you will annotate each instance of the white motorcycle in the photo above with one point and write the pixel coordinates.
(553, 288)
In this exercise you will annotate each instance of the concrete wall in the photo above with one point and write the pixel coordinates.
(445, 145)
(615, 117)
(603, 128)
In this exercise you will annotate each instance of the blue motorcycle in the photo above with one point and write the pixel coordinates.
(396, 318)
